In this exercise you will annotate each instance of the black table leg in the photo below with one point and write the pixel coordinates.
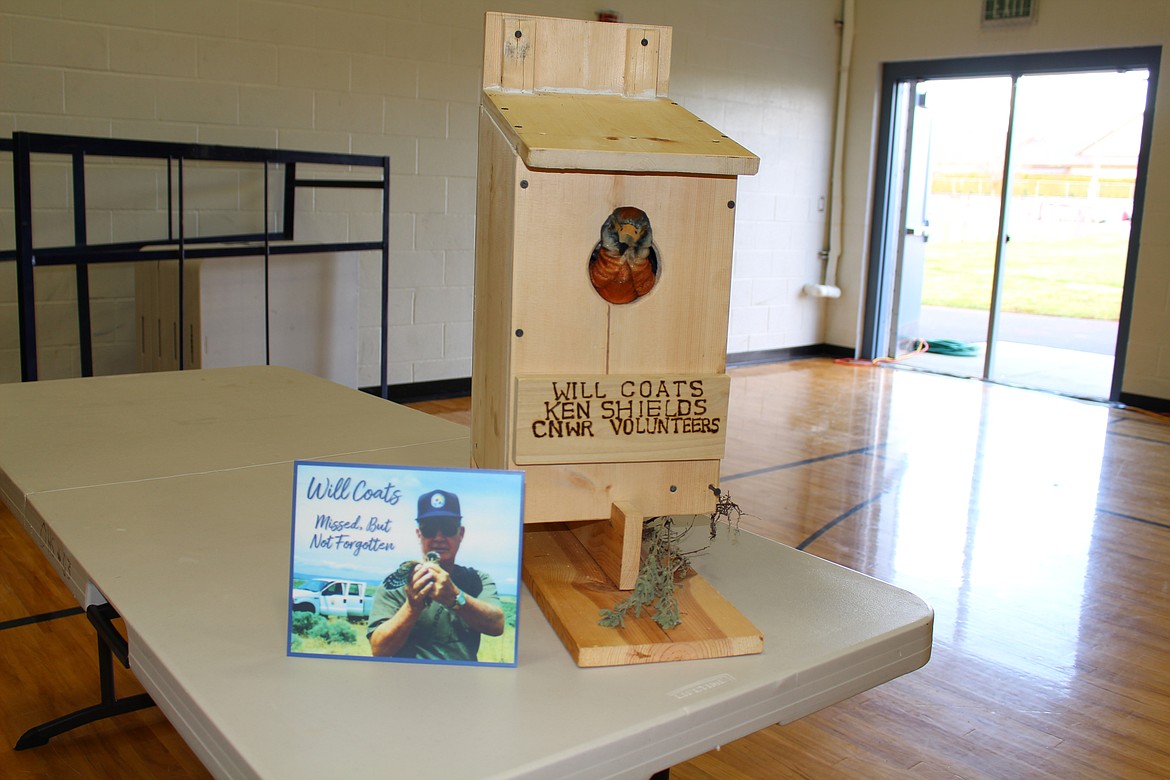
(110, 644)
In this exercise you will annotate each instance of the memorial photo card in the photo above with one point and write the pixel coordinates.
(406, 564)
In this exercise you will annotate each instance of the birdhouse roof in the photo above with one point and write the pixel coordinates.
(613, 133)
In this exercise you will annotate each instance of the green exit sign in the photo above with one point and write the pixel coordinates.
(1008, 11)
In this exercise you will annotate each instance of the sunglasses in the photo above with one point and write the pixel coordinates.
(448, 526)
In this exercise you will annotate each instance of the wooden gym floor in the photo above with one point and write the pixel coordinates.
(1037, 527)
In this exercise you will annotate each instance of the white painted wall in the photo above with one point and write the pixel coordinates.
(401, 77)
(901, 30)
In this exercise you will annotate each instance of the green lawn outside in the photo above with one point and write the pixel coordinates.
(1079, 277)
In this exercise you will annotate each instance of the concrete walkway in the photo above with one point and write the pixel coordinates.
(1056, 354)
(1098, 336)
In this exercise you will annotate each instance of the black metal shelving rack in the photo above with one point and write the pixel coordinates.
(176, 245)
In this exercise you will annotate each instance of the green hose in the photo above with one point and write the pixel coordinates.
(952, 347)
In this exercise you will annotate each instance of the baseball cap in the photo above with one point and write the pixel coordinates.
(437, 504)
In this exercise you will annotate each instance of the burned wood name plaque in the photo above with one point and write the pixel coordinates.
(620, 418)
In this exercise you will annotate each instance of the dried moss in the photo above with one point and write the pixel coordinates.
(665, 565)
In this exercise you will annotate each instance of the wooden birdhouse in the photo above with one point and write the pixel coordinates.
(604, 228)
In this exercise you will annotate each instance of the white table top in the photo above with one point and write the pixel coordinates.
(171, 494)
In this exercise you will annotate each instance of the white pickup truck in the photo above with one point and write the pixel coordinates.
(334, 598)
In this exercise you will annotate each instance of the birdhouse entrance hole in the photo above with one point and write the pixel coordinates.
(624, 265)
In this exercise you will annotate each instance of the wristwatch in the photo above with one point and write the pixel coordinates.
(460, 601)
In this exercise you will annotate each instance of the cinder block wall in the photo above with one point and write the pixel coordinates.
(402, 78)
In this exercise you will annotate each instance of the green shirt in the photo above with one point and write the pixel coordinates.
(439, 634)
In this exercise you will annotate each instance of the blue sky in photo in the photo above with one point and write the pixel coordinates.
(491, 503)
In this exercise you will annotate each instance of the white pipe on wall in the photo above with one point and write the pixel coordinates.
(833, 253)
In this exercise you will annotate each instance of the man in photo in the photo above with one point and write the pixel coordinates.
(439, 610)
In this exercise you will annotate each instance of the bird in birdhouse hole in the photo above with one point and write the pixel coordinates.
(624, 264)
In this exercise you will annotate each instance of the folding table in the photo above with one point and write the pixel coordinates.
(169, 497)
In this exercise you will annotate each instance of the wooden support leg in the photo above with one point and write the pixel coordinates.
(615, 544)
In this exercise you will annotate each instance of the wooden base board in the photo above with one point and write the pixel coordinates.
(572, 590)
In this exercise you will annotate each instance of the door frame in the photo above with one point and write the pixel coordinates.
(883, 244)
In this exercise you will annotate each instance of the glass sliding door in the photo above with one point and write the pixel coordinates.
(1075, 144)
(1004, 235)
(970, 119)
